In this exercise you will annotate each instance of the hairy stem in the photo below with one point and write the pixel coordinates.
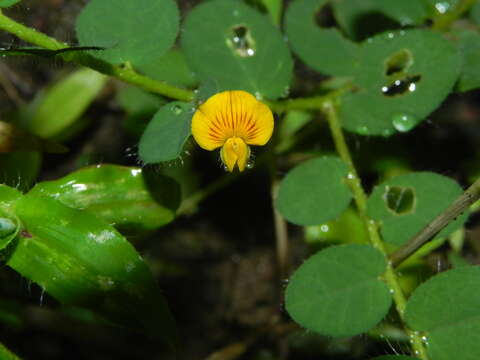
(360, 199)
(124, 73)
(462, 203)
(6, 354)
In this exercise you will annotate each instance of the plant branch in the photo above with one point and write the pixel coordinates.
(6, 354)
(360, 199)
(462, 203)
(124, 73)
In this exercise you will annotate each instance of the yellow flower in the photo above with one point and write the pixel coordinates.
(232, 120)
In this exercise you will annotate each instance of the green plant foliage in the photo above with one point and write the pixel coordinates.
(337, 291)
(324, 49)
(394, 357)
(165, 136)
(440, 7)
(7, 3)
(132, 31)
(397, 86)
(468, 42)
(9, 224)
(403, 205)
(348, 228)
(171, 67)
(238, 48)
(362, 18)
(446, 309)
(314, 192)
(475, 13)
(60, 106)
(129, 198)
(81, 260)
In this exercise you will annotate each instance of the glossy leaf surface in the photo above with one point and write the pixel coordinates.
(81, 260)
(129, 198)
(238, 48)
(337, 291)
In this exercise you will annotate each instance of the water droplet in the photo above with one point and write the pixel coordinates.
(387, 132)
(176, 109)
(7, 227)
(442, 7)
(403, 122)
(390, 35)
(235, 13)
(362, 130)
(286, 91)
(250, 163)
(258, 96)
(350, 176)
(391, 291)
(324, 228)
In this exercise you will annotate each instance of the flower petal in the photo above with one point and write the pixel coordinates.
(235, 151)
(232, 114)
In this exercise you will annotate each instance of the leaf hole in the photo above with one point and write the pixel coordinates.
(399, 62)
(399, 200)
(241, 41)
(324, 17)
(401, 86)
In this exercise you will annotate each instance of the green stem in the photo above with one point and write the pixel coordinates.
(361, 201)
(6, 354)
(462, 203)
(124, 73)
(443, 21)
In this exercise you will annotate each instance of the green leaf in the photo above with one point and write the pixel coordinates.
(468, 43)
(7, 3)
(397, 86)
(405, 204)
(446, 308)
(475, 13)
(133, 31)
(324, 49)
(363, 18)
(337, 291)
(81, 260)
(348, 228)
(129, 198)
(165, 136)
(171, 67)
(20, 169)
(9, 223)
(394, 357)
(314, 192)
(237, 47)
(60, 106)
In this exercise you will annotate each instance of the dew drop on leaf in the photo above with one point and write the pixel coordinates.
(403, 122)
(177, 110)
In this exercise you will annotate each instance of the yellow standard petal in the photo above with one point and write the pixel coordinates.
(236, 116)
